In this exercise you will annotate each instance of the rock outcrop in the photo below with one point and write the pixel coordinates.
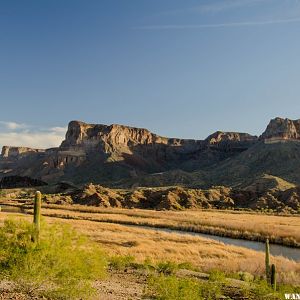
(282, 130)
(179, 198)
(18, 152)
(233, 140)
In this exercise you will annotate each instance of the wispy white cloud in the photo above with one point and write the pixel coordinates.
(214, 7)
(15, 134)
(13, 125)
(59, 130)
(218, 25)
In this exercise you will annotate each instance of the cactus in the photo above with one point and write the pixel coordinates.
(267, 260)
(273, 277)
(37, 214)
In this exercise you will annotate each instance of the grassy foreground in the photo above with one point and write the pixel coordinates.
(66, 265)
(205, 254)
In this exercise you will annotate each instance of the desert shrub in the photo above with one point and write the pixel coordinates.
(167, 268)
(187, 266)
(171, 288)
(62, 265)
(121, 262)
(245, 276)
(149, 265)
(216, 275)
(262, 290)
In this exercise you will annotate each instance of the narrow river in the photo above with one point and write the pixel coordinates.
(276, 250)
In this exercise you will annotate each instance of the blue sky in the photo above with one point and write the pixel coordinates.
(179, 68)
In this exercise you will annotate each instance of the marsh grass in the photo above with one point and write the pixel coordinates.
(279, 229)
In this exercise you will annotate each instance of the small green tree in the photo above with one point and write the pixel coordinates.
(63, 265)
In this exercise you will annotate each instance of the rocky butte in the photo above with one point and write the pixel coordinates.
(117, 155)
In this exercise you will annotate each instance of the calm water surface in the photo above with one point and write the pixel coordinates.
(276, 250)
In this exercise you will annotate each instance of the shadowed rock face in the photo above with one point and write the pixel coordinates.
(115, 153)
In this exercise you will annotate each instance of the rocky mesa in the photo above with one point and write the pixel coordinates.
(118, 155)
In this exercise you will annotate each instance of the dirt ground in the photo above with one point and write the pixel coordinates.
(119, 285)
(123, 285)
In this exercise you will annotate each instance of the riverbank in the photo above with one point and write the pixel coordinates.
(205, 254)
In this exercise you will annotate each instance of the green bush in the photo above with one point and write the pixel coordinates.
(171, 288)
(216, 275)
(121, 262)
(262, 290)
(167, 268)
(187, 266)
(149, 265)
(245, 276)
(62, 265)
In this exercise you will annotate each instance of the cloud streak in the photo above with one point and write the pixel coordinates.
(13, 125)
(217, 7)
(226, 5)
(218, 25)
(16, 134)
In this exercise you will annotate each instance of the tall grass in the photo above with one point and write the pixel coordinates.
(279, 229)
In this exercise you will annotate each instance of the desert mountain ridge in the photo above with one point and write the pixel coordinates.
(118, 155)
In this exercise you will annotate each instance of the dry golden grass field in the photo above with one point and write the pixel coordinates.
(206, 254)
(279, 229)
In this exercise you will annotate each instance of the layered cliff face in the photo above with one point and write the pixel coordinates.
(116, 153)
(112, 137)
(118, 139)
(234, 140)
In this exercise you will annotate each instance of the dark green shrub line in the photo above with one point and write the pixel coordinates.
(163, 287)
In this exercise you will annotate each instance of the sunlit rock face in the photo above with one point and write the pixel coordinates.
(17, 152)
(282, 129)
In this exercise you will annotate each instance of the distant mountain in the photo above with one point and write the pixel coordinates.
(124, 156)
